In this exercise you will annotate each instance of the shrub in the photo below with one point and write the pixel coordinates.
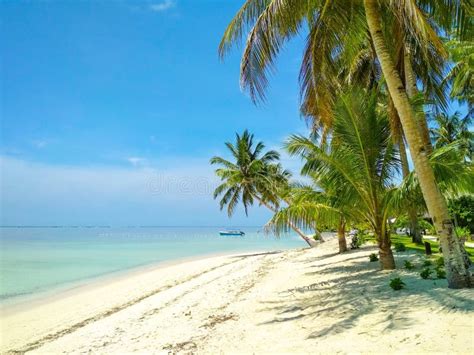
(426, 273)
(427, 263)
(440, 262)
(362, 238)
(440, 273)
(400, 247)
(462, 232)
(373, 257)
(397, 284)
(409, 265)
(316, 237)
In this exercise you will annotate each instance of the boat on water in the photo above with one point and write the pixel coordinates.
(232, 232)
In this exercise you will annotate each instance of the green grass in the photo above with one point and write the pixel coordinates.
(395, 238)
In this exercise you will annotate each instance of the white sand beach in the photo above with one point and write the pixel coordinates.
(298, 301)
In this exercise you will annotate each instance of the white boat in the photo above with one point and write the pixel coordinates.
(231, 232)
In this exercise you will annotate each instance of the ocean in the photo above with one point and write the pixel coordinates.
(34, 260)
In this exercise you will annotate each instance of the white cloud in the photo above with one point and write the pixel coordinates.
(163, 6)
(177, 192)
(136, 161)
(40, 143)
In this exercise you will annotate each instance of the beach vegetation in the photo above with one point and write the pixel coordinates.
(253, 176)
(462, 210)
(398, 49)
(400, 247)
(355, 172)
(409, 265)
(440, 273)
(411, 246)
(427, 262)
(373, 257)
(425, 273)
(463, 233)
(396, 284)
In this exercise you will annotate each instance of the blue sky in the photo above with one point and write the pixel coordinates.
(111, 110)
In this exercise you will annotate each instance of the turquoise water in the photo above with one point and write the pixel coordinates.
(36, 260)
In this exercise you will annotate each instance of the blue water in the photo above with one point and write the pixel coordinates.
(36, 260)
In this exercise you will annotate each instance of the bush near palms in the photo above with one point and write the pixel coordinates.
(254, 175)
(337, 24)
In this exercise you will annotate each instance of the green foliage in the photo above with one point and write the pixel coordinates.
(440, 273)
(453, 128)
(316, 237)
(419, 247)
(453, 174)
(440, 262)
(427, 262)
(400, 247)
(409, 265)
(362, 238)
(373, 257)
(252, 175)
(461, 75)
(356, 174)
(463, 232)
(397, 284)
(462, 209)
(403, 222)
(425, 273)
(425, 225)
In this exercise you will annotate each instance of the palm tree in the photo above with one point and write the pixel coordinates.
(312, 203)
(457, 274)
(356, 170)
(451, 128)
(254, 176)
(461, 75)
(337, 24)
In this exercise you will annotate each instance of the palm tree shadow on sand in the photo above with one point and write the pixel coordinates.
(359, 290)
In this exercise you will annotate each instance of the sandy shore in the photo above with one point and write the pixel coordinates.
(299, 301)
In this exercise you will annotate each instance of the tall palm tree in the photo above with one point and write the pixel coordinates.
(255, 175)
(457, 274)
(337, 24)
(356, 170)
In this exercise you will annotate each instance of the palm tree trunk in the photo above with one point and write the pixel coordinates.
(387, 262)
(457, 274)
(341, 235)
(292, 225)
